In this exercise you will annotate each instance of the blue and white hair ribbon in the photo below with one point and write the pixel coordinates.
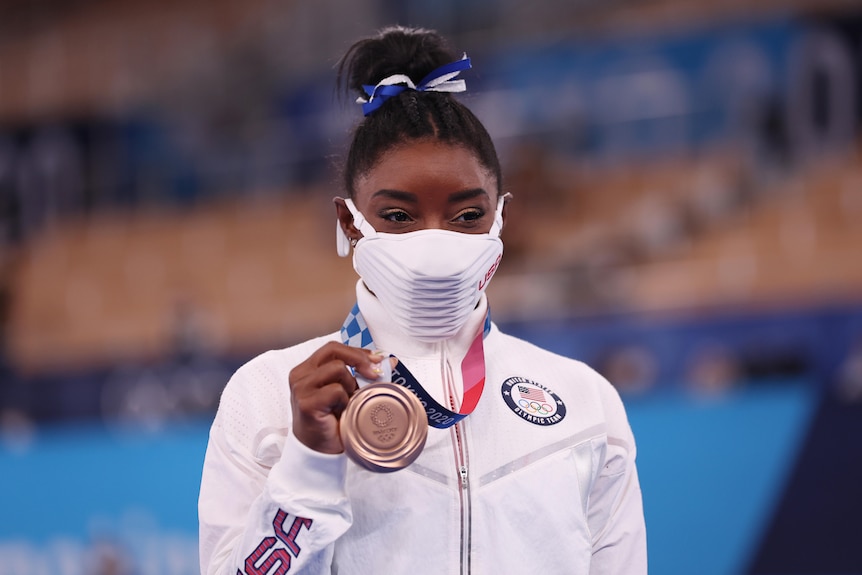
(440, 80)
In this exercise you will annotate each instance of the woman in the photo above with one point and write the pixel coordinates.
(536, 477)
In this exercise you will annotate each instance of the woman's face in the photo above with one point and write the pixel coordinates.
(423, 185)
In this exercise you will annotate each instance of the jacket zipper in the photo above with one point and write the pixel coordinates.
(464, 489)
(464, 480)
(461, 465)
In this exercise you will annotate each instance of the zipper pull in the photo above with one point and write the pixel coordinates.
(463, 472)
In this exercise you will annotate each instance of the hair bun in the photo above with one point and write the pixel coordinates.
(414, 52)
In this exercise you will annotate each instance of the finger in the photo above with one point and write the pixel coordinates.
(379, 368)
(308, 379)
(363, 360)
(330, 399)
(315, 421)
(373, 369)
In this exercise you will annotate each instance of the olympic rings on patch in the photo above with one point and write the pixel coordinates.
(536, 407)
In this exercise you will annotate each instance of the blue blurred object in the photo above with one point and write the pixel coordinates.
(712, 470)
(85, 499)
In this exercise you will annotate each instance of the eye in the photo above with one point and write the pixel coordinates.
(470, 215)
(395, 215)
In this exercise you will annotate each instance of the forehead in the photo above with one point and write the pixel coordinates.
(426, 168)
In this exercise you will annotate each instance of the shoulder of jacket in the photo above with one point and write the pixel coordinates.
(256, 399)
(591, 381)
(522, 348)
(277, 362)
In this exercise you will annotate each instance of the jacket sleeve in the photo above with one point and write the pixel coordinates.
(615, 515)
(268, 504)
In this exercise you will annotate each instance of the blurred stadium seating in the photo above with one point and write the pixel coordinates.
(121, 287)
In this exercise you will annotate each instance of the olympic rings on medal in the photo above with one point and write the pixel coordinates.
(536, 407)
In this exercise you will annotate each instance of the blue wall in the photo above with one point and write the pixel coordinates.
(70, 495)
(712, 471)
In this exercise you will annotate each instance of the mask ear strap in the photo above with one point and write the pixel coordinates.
(497, 226)
(342, 243)
(359, 221)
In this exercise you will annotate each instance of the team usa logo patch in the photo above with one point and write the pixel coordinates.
(533, 402)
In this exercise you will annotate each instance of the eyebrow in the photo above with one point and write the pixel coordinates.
(396, 195)
(411, 197)
(467, 194)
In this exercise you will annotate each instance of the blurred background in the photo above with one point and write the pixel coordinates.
(687, 185)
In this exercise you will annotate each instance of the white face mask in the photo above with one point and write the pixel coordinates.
(428, 280)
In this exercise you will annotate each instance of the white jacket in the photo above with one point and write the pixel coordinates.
(501, 492)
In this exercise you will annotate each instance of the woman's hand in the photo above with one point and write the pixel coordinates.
(320, 387)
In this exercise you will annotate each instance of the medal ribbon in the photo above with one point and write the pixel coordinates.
(355, 332)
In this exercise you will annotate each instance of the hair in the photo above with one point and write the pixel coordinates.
(411, 115)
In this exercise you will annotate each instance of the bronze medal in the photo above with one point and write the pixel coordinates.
(384, 427)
